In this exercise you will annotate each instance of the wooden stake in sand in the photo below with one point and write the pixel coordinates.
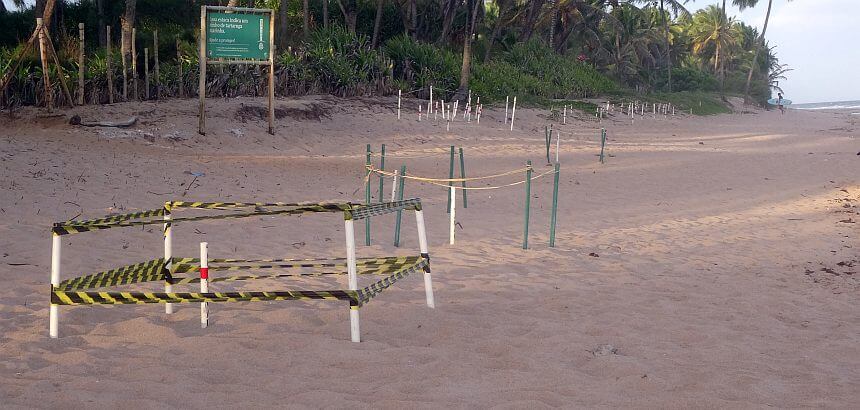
(146, 73)
(179, 67)
(134, 63)
(81, 68)
(155, 63)
(204, 283)
(398, 103)
(513, 113)
(43, 56)
(108, 60)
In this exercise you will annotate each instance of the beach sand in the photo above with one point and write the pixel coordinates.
(710, 262)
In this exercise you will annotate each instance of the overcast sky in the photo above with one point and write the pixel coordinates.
(816, 38)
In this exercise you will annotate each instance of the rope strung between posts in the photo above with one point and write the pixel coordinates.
(438, 181)
(373, 169)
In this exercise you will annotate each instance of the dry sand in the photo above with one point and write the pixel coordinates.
(711, 262)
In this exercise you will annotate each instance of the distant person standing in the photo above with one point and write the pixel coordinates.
(779, 103)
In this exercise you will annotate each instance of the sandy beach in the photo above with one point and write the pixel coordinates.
(711, 262)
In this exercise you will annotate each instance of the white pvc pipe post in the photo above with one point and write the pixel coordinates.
(506, 108)
(431, 101)
(422, 243)
(454, 110)
(398, 103)
(419, 112)
(453, 216)
(443, 110)
(168, 256)
(54, 315)
(480, 111)
(354, 328)
(513, 113)
(394, 185)
(564, 118)
(435, 111)
(204, 283)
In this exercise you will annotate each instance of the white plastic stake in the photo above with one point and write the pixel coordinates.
(54, 313)
(431, 101)
(398, 103)
(513, 113)
(168, 255)
(422, 241)
(354, 328)
(204, 283)
(419, 112)
(453, 216)
(506, 108)
(564, 117)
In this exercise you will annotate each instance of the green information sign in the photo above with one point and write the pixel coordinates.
(238, 36)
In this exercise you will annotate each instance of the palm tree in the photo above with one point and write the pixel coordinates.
(467, 47)
(711, 32)
(752, 3)
(676, 8)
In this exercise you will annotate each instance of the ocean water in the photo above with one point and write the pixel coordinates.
(853, 106)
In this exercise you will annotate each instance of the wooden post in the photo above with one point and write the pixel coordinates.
(602, 143)
(43, 55)
(124, 65)
(528, 203)
(108, 61)
(463, 176)
(179, 66)
(367, 197)
(134, 63)
(400, 187)
(381, 177)
(68, 95)
(398, 103)
(155, 61)
(507, 99)
(201, 87)
(81, 64)
(272, 74)
(146, 73)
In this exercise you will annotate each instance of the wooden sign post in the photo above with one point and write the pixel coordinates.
(236, 35)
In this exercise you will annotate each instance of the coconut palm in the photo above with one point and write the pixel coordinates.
(744, 5)
(712, 37)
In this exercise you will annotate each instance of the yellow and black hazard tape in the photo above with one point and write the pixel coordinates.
(328, 206)
(184, 265)
(374, 289)
(377, 270)
(366, 211)
(137, 273)
(59, 297)
(118, 218)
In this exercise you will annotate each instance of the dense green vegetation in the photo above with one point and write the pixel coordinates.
(538, 50)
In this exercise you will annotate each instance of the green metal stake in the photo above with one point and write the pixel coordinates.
(367, 199)
(602, 143)
(552, 220)
(548, 138)
(450, 183)
(528, 202)
(381, 168)
(463, 175)
(400, 185)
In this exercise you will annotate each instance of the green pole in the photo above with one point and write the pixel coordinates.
(367, 199)
(400, 185)
(528, 202)
(552, 220)
(602, 143)
(381, 168)
(548, 138)
(463, 175)
(450, 183)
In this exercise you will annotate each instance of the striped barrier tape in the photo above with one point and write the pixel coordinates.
(351, 211)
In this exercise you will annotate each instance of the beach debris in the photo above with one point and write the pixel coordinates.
(594, 255)
(237, 132)
(604, 350)
(76, 120)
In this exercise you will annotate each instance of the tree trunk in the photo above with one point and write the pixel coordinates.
(350, 13)
(127, 21)
(467, 50)
(755, 54)
(668, 46)
(282, 27)
(325, 13)
(100, 11)
(497, 27)
(531, 20)
(449, 11)
(305, 19)
(377, 22)
(553, 24)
